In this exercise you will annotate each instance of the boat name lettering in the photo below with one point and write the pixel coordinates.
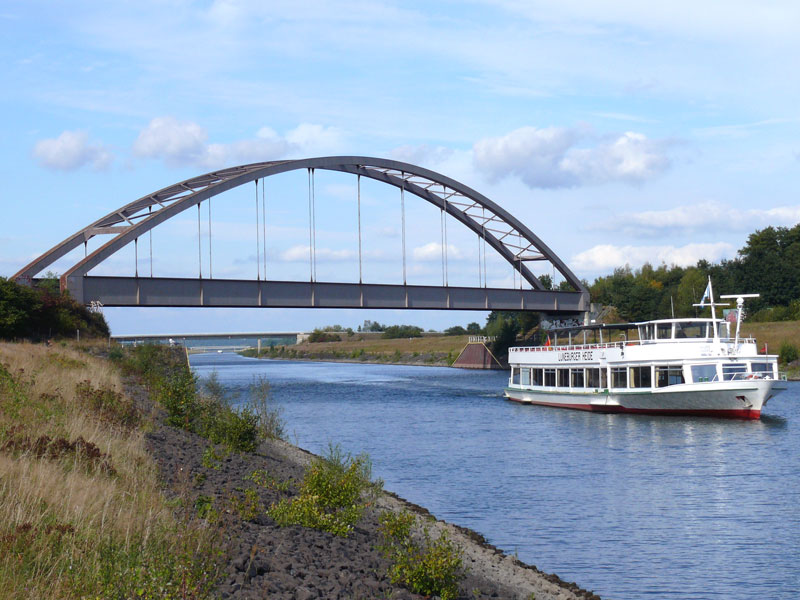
(575, 355)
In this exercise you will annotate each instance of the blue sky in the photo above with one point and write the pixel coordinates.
(619, 132)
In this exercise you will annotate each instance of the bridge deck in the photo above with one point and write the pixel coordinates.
(159, 291)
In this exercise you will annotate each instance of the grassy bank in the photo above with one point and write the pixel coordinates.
(81, 511)
(775, 335)
(433, 350)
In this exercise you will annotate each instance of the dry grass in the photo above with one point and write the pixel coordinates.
(374, 344)
(773, 334)
(69, 529)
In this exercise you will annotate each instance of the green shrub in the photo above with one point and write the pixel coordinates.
(402, 331)
(270, 423)
(238, 430)
(108, 404)
(204, 505)
(333, 495)
(318, 335)
(263, 479)
(455, 330)
(212, 458)
(432, 567)
(248, 507)
(177, 394)
(788, 353)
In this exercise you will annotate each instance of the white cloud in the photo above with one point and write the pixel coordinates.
(308, 137)
(433, 252)
(553, 158)
(72, 150)
(301, 254)
(606, 257)
(704, 216)
(423, 154)
(181, 143)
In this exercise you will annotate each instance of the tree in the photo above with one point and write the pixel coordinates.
(455, 330)
(402, 331)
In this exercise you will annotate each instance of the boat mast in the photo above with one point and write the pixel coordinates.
(739, 310)
(709, 293)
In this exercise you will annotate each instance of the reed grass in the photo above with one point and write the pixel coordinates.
(69, 528)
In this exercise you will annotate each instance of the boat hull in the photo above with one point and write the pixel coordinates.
(737, 400)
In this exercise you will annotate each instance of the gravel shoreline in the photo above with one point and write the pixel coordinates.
(267, 561)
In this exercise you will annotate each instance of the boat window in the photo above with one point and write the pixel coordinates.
(733, 371)
(664, 331)
(668, 375)
(646, 332)
(563, 377)
(593, 378)
(619, 377)
(701, 373)
(525, 376)
(514, 376)
(550, 377)
(640, 377)
(687, 329)
(576, 377)
(762, 368)
(536, 377)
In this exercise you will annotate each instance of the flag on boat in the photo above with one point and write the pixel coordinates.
(547, 342)
(706, 294)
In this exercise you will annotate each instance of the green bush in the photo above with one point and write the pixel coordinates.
(402, 331)
(178, 395)
(108, 404)
(788, 353)
(333, 495)
(455, 330)
(430, 567)
(270, 423)
(207, 414)
(44, 312)
(323, 336)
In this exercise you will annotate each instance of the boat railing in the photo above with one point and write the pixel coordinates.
(625, 343)
(744, 376)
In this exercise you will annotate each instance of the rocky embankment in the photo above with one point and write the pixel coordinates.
(268, 561)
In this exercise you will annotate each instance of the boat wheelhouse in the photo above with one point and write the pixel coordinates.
(671, 366)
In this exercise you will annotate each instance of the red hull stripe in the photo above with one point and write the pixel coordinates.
(744, 413)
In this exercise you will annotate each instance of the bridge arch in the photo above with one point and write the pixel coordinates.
(509, 237)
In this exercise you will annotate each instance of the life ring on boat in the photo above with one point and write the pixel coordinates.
(753, 376)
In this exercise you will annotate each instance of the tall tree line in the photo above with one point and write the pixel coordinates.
(768, 264)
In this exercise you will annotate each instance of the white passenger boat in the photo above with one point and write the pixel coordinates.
(675, 367)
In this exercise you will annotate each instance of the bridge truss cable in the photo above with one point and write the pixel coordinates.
(360, 280)
(443, 226)
(199, 245)
(258, 241)
(403, 223)
(150, 232)
(264, 223)
(314, 214)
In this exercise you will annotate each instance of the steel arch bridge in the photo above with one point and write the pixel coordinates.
(498, 229)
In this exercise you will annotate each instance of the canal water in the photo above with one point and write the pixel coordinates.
(628, 506)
